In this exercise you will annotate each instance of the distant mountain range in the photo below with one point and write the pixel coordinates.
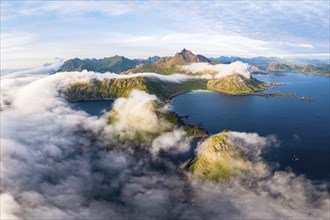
(275, 64)
(310, 69)
(256, 61)
(169, 65)
(264, 61)
(117, 64)
(234, 84)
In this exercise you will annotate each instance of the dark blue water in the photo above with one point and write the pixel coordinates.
(95, 108)
(301, 126)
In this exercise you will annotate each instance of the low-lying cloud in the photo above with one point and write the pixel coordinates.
(56, 164)
(219, 70)
(135, 117)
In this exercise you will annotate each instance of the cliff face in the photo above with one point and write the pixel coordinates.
(218, 159)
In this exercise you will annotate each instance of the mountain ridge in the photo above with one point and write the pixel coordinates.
(115, 64)
(169, 65)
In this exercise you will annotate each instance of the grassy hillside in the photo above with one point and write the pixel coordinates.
(218, 159)
(236, 85)
(115, 64)
(114, 88)
(165, 90)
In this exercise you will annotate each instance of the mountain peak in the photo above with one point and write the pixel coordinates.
(185, 51)
(186, 56)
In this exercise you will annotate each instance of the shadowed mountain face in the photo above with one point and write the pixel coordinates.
(152, 59)
(115, 64)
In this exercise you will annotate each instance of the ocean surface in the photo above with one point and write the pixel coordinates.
(302, 127)
(95, 108)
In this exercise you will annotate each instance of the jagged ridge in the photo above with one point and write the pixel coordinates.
(115, 64)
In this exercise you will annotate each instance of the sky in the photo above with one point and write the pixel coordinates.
(34, 32)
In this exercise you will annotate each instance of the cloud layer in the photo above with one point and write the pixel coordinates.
(55, 163)
(220, 70)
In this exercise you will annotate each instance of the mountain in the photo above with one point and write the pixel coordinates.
(122, 87)
(153, 59)
(311, 69)
(165, 90)
(236, 84)
(169, 65)
(115, 64)
(271, 64)
(257, 61)
(218, 159)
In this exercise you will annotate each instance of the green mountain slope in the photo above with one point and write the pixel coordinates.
(115, 64)
(236, 85)
(114, 88)
(218, 159)
(165, 90)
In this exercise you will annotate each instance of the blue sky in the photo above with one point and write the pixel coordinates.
(34, 31)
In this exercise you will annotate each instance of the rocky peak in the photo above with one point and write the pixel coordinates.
(188, 57)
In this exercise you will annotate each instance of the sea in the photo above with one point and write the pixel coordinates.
(300, 122)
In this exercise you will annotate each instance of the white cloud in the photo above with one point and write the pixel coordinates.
(55, 164)
(135, 118)
(8, 207)
(230, 28)
(219, 70)
(69, 8)
(175, 141)
(12, 41)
